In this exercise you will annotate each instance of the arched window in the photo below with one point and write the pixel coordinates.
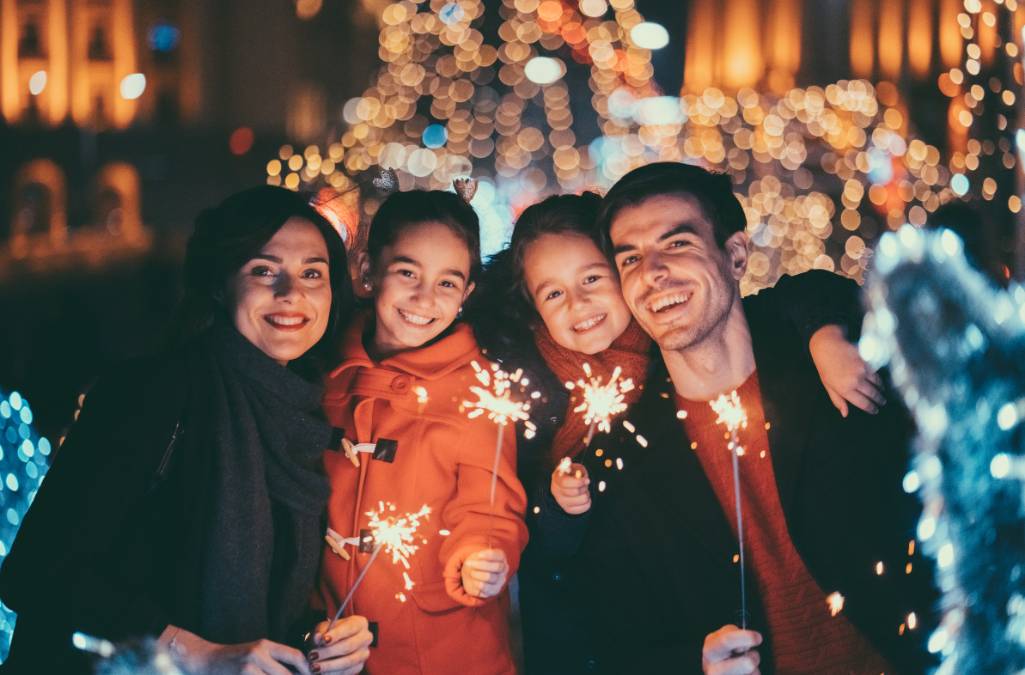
(39, 204)
(33, 209)
(117, 201)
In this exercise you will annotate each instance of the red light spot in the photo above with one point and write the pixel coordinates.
(241, 141)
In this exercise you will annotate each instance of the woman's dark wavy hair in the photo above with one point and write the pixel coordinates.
(230, 234)
(413, 207)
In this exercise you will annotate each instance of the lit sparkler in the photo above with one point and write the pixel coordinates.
(395, 536)
(731, 414)
(601, 402)
(495, 399)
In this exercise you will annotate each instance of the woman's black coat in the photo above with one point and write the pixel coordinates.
(117, 543)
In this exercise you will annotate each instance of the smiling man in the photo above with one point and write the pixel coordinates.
(834, 582)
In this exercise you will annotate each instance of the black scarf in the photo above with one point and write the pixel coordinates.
(264, 491)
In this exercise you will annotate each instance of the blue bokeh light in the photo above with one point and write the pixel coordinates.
(164, 37)
(959, 184)
(435, 136)
(451, 13)
(21, 470)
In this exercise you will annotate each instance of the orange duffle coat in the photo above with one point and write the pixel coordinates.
(442, 459)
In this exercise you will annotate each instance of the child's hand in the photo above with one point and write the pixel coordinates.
(484, 573)
(844, 374)
(569, 487)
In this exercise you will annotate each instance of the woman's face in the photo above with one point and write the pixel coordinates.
(281, 298)
(575, 291)
(419, 283)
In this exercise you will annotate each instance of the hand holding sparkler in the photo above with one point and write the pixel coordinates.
(570, 487)
(344, 648)
(731, 650)
(484, 573)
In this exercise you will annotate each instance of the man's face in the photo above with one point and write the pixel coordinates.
(679, 284)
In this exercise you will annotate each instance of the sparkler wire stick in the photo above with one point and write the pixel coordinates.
(352, 591)
(494, 482)
(740, 540)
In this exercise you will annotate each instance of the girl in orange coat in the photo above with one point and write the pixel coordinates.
(406, 369)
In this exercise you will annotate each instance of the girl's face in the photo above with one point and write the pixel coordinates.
(575, 291)
(281, 298)
(419, 284)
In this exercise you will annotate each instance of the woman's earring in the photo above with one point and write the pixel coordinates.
(367, 285)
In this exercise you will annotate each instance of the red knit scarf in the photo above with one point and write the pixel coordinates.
(629, 351)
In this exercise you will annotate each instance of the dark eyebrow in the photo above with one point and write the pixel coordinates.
(275, 259)
(685, 227)
(622, 248)
(405, 259)
(410, 261)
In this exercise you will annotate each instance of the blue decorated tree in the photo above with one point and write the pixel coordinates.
(956, 348)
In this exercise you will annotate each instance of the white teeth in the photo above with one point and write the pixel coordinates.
(286, 320)
(415, 319)
(669, 301)
(589, 323)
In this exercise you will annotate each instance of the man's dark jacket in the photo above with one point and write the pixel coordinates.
(658, 558)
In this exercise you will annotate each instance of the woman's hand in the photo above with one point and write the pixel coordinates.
(570, 489)
(484, 573)
(344, 649)
(844, 374)
(261, 657)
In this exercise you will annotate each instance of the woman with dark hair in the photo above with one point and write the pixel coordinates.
(188, 499)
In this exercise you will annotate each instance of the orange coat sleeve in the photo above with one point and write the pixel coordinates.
(470, 514)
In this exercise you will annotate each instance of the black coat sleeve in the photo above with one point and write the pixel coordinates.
(65, 566)
(555, 533)
(635, 622)
(813, 299)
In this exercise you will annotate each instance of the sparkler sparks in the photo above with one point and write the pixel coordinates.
(495, 398)
(601, 402)
(835, 603)
(730, 412)
(565, 466)
(394, 535)
(421, 395)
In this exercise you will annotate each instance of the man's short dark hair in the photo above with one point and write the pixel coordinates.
(712, 191)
